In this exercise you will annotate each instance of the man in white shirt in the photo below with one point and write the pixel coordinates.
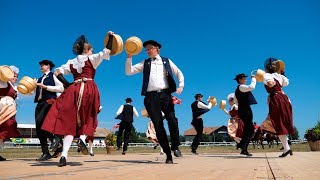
(244, 98)
(47, 88)
(198, 109)
(158, 84)
(127, 111)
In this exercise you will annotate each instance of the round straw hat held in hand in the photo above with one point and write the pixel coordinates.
(223, 104)
(26, 85)
(144, 112)
(117, 44)
(7, 108)
(6, 73)
(213, 100)
(133, 45)
(259, 74)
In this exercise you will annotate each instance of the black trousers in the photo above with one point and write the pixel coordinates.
(198, 125)
(248, 130)
(41, 111)
(155, 103)
(126, 127)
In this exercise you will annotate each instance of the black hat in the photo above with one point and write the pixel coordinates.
(46, 62)
(78, 45)
(240, 76)
(198, 95)
(152, 42)
(128, 100)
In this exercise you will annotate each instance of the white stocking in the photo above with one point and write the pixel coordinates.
(83, 138)
(284, 141)
(67, 141)
(91, 147)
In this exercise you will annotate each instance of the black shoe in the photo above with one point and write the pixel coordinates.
(118, 149)
(155, 147)
(62, 162)
(82, 146)
(177, 153)
(245, 152)
(194, 152)
(281, 148)
(55, 144)
(91, 154)
(169, 159)
(2, 158)
(124, 152)
(44, 157)
(286, 153)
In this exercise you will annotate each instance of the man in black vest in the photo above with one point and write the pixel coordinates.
(47, 87)
(158, 84)
(244, 98)
(198, 109)
(127, 111)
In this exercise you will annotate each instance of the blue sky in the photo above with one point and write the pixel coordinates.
(210, 41)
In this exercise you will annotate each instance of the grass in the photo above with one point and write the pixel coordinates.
(36, 152)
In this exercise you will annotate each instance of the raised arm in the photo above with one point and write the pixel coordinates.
(131, 70)
(247, 88)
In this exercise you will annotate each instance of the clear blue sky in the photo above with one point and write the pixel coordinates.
(210, 41)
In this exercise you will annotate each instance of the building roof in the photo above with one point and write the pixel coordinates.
(206, 130)
(101, 132)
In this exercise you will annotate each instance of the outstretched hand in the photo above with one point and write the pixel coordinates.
(179, 90)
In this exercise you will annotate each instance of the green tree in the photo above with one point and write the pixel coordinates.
(182, 138)
(218, 138)
(295, 136)
(206, 138)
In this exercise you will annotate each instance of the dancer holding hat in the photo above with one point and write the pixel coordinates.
(280, 109)
(127, 111)
(244, 99)
(75, 111)
(198, 109)
(157, 86)
(8, 129)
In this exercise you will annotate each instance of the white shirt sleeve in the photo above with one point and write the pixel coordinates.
(3, 84)
(178, 73)
(130, 70)
(58, 85)
(247, 88)
(267, 77)
(120, 110)
(135, 112)
(285, 81)
(65, 68)
(203, 106)
(97, 58)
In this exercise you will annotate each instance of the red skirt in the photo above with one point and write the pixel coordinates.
(9, 129)
(240, 128)
(62, 117)
(280, 111)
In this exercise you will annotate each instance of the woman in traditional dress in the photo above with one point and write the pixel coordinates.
(280, 109)
(152, 136)
(8, 129)
(75, 111)
(235, 124)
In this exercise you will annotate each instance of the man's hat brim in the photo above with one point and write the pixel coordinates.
(47, 62)
(153, 43)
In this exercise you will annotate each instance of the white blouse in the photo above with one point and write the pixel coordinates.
(79, 62)
(267, 77)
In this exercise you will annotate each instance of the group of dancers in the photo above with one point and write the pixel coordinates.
(74, 112)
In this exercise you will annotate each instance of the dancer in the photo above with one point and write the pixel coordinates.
(158, 84)
(8, 129)
(75, 111)
(235, 124)
(244, 98)
(47, 87)
(280, 109)
(198, 109)
(127, 111)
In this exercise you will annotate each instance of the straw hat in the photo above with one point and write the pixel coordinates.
(117, 44)
(7, 108)
(133, 45)
(144, 112)
(213, 100)
(26, 85)
(259, 74)
(223, 104)
(6, 73)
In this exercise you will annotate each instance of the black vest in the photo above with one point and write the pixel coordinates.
(45, 93)
(245, 99)
(146, 75)
(196, 111)
(127, 113)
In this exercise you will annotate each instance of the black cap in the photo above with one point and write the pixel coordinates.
(240, 76)
(46, 62)
(198, 95)
(153, 43)
(128, 100)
